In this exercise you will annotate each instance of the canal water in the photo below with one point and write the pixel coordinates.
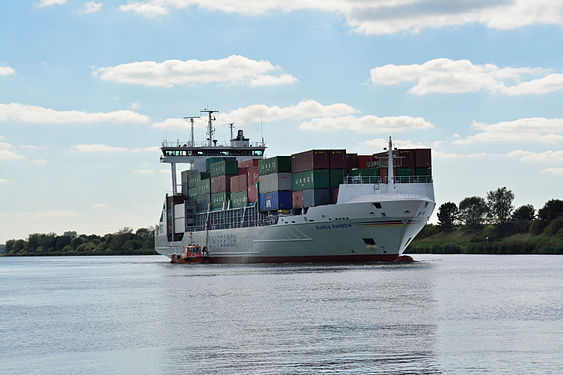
(450, 314)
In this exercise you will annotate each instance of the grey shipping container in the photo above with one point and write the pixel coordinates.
(274, 182)
(316, 197)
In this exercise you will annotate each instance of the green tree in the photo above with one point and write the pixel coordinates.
(499, 203)
(524, 213)
(447, 214)
(551, 211)
(472, 212)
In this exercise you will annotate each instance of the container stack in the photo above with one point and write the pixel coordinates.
(239, 189)
(338, 170)
(221, 174)
(407, 163)
(274, 183)
(311, 178)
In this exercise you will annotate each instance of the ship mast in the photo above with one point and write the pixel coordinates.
(191, 118)
(390, 177)
(210, 129)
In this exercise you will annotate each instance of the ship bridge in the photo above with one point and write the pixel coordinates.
(196, 155)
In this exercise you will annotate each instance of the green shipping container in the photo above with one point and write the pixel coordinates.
(192, 194)
(212, 160)
(204, 187)
(315, 179)
(194, 178)
(365, 172)
(225, 167)
(405, 172)
(277, 164)
(218, 199)
(337, 177)
(424, 171)
(239, 199)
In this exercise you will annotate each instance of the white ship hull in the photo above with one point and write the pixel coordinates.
(355, 231)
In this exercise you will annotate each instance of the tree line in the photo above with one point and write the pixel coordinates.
(123, 242)
(493, 225)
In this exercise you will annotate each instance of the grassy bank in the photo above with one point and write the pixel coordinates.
(510, 238)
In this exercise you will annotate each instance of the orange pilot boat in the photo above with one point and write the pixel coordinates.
(192, 254)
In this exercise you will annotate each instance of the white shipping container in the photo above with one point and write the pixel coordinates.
(179, 225)
(274, 182)
(179, 210)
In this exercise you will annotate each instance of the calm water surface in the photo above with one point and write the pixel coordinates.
(141, 315)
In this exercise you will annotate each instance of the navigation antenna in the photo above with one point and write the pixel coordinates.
(191, 118)
(231, 126)
(210, 129)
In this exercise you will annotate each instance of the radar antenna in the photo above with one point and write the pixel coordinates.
(210, 128)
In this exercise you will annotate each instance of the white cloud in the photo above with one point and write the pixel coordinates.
(3, 180)
(91, 7)
(144, 171)
(100, 205)
(368, 124)
(462, 76)
(384, 16)
(52, 214)
(148, 9)
(522, 130)
(231, 70)
(101, 148)
(380, 143)
(10, 155)
(40, 161)
(545, 157)
(46, 3)
(255, 113)
(179, 123)
(39, 115)
(6, 71)
(135, 105)
(305, 109)
(552, 170)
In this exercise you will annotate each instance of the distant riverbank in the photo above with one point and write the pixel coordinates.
(508, 238)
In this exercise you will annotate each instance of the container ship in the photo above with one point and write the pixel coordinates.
(315, 206)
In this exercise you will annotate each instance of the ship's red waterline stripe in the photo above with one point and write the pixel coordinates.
(360, 258)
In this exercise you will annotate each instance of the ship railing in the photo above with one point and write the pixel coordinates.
(179, 143)
(385, 179)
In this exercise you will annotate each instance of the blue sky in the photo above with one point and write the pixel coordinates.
(88, 90)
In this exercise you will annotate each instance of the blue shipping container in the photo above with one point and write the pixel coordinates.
(316, 197)
(276, 200)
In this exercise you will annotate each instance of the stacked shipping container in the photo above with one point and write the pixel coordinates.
(274, 183)
(302, 180)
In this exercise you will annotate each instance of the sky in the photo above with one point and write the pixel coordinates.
(90, 89)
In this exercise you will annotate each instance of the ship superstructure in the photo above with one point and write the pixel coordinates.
(315, 206)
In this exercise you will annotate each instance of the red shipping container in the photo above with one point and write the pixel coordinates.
(423, 158)
(364, 160)
(309, 160)
(351, 161)
(402, 158)
(239, 183)
(252, 193)
(334, 195)
(253, 175)
(297, 199)
(221, 183)
(337, 159)
(383, 174)
(248, 163)
(242, 171)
